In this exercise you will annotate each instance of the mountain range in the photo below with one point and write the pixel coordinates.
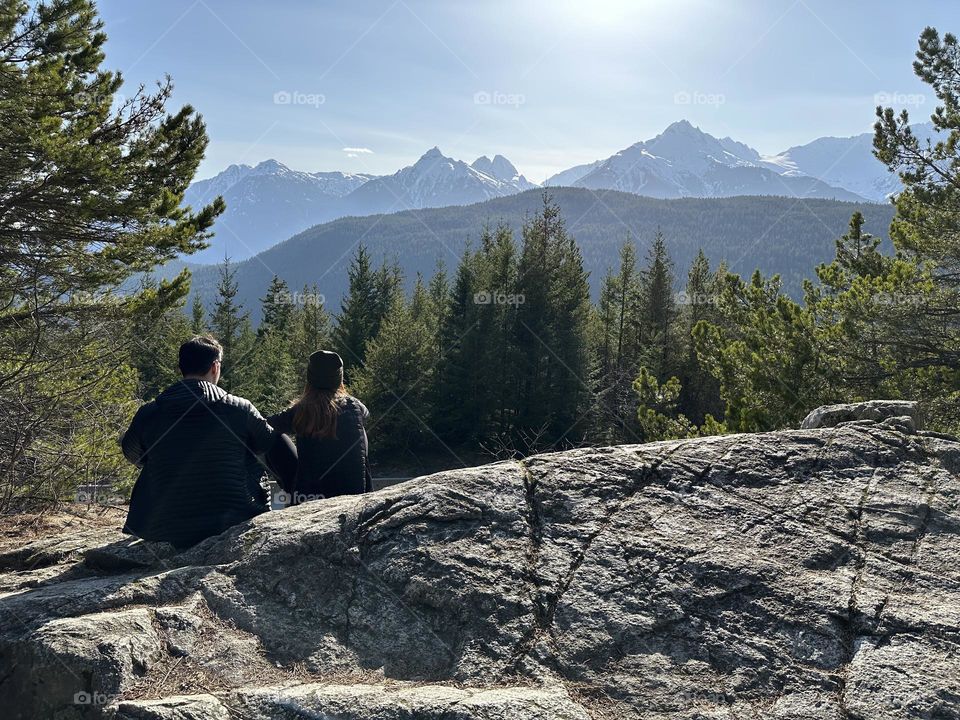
(270, 202)
(684, 161)
(266, 204)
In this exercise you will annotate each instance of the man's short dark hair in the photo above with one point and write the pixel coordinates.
(198, 353)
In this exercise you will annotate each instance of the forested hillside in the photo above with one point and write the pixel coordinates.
(773, 234)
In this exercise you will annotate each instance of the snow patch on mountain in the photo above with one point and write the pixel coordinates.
(847, 162)
(503, 170)
(684, 161)
(436, 180)
(566, 178)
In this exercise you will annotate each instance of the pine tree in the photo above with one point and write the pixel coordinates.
(276, 308)
(311, 331)
(497, 322)
(458, 381)
(244, 380)
(157, 338)
(198, 320)
(603, 339)
(481, 397)
(659, 413)
(872, 324)
(395, 381)
(920, 333)
(532, 332)
(420, 301)
(701, 391)
(359, 316)
(388, 286)
(231, 326)
(616, 322)
(441, 300)
(764, 352)
(658, 312)
(275, 380)
(92, 195)
(550, 329)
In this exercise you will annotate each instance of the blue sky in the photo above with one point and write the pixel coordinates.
(369, 86)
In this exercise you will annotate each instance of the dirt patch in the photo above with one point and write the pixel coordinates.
(18, 529)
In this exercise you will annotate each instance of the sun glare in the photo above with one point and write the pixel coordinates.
(612, 14)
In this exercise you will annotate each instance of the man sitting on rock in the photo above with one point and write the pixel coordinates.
(198, 448)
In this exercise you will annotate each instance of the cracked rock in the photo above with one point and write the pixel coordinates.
(796, 575)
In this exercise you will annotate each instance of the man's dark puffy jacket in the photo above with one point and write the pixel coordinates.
(197, 447)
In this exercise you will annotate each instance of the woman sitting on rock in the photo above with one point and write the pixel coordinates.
(328, 424)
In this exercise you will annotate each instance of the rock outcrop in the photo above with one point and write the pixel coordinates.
(796, 575)
(893, 412)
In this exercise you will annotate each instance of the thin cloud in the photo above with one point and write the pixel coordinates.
(353, 152)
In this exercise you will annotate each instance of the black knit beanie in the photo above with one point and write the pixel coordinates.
(325, 370)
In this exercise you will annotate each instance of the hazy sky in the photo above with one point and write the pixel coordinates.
(368, 86)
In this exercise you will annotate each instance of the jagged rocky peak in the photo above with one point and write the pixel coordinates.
(236, 171)
(683, 137)
(499, 167)
(682, 127)
(502, 170)
(270, 166)
(800, 574)
(433, 154)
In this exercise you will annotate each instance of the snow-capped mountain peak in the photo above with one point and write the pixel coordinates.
(847, 162)
(687, 146)
(269, 167)
(432, 155)
(685, 161)
(432, 161)
(435, 180)
(338, 184)
(503, 170)
(267, 203)
(499, 167)
(203, 191)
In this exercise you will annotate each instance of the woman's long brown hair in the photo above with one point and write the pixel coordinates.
(316, 412)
